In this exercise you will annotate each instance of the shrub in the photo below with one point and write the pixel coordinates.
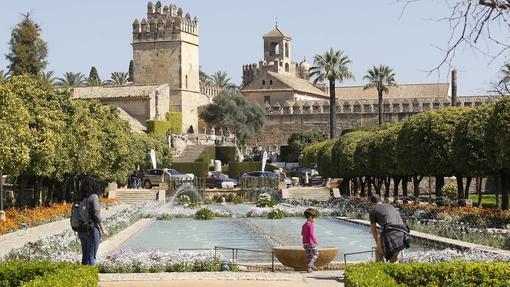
(207, 154)
(162, 127)
(197, 168)
(35, 274)
(204, 214)
(428, 274)
(238, 200)
(265, 200)
(226, 154)
(276, 213)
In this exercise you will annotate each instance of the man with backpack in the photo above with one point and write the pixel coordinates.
(86, 219)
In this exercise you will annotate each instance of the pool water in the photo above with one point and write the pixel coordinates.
(251, 233)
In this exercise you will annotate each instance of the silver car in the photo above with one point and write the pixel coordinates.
(154, 177)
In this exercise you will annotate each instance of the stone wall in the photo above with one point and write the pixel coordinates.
(284, 119)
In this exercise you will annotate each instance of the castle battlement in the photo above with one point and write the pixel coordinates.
(404, 105)
(163, 23)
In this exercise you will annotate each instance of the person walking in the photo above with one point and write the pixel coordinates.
(309, 240)
(394, 236)
(89, 209)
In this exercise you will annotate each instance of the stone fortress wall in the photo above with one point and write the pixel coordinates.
(284, 119)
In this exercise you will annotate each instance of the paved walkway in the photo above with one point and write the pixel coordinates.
(19, 238)
(225, 279)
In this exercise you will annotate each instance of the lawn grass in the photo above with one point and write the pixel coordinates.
(488, 200)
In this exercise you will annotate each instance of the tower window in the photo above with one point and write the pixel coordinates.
(186, 81)
(287, 50)
(270, 82)
(263, 82)
(287, 68)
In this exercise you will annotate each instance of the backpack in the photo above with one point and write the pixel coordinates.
(79, 219)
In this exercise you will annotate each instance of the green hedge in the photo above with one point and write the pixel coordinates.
(161, 127)
(236, 169)
(39, 274)
(226, 154)
(207, 154)
(196, 168)
(428, 274)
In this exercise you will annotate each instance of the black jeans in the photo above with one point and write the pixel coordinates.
(89, 245)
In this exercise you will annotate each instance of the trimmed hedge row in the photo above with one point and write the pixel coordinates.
(207, 154)
(197, 168)
(39, 274)
(161, 127)
(428, 274)
(226, 154)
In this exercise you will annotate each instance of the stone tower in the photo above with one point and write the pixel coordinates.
(277, 49)
(165, 51)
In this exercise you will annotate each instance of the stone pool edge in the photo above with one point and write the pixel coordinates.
(443, 240)
(115, 242)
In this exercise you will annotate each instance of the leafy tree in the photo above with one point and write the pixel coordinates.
(131, 71)
(118, 79)
(380, 78)
(425, 144)
(93, 79)
(71, 79)
(497, 148)
(27, 50)
(298, 141)
(14, 132)
(48, 77)
(221, 80)
(343, 154)
(333, 67)
(230, 110)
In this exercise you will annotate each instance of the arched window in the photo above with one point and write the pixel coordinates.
(287, 68)
(286, 50)
(186, 81)
(263, 82)
(270, 82)
(275, 49)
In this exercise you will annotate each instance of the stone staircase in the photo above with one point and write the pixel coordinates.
(310, 193)
(129, 196)
(190, 153)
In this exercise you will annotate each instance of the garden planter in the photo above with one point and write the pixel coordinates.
(295, 256)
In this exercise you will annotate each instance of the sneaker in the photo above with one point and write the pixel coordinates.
(314, 268)
(309, 270)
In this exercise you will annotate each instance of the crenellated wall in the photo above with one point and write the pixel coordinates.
(282, 120)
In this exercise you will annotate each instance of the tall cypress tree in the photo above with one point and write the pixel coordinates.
(93, 79)
(27, 50)
(130, 71)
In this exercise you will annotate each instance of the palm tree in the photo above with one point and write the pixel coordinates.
(221, 80)
(71, 79)
(49, 77)
(204, 79)
(118, 79)
(331, 66)
(380, 78)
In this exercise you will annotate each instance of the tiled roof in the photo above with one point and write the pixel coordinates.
(276, 33)
(134, 124)
(297, 84)
(401, 91)
(101, 92)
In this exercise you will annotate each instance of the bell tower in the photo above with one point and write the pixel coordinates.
(277, 49)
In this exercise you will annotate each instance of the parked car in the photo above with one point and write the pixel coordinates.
(217, 179)
(153, 177)
(255, 174)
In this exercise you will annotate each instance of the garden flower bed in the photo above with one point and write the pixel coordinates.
(33, 216)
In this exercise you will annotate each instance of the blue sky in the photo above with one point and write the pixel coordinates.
(81, 34)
